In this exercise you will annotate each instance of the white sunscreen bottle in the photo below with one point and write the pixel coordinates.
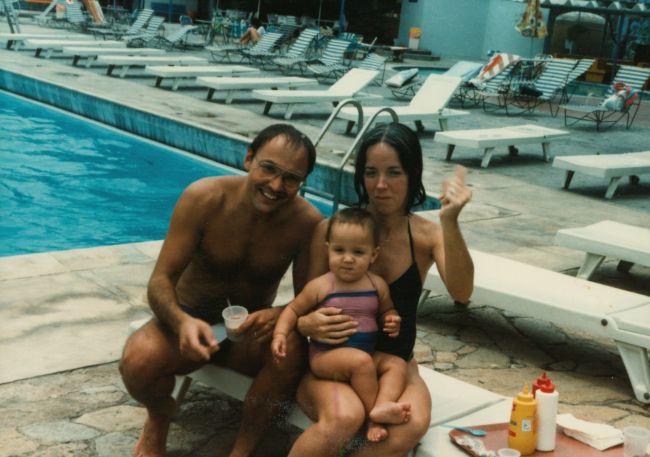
(547, 401)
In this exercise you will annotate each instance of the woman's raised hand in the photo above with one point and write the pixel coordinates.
(455, 194)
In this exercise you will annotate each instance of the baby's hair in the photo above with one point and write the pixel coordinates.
(355, 216)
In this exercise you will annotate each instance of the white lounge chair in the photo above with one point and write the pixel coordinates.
(15, 40)
(628, 243)
(451, 399)
(231, 85)
(49, 46)
(126, 62)
(348, 86)
(91, 54)
(190, 72)
(488, 139)
(429, 102)
(566, 301)
(608, 166)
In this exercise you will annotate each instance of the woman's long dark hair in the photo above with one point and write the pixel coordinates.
(409, 151)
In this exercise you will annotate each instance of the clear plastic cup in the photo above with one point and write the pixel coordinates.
(233, 317)
(635, 441)
(508, 452)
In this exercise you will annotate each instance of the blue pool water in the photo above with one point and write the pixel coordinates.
(66, 182)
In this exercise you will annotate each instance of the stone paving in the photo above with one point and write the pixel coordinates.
(516, 210)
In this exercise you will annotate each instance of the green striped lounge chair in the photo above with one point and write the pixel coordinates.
(147, 35)
(596, 111)
(262, 48)
(297, 53)
(332, 63)
(136, 28)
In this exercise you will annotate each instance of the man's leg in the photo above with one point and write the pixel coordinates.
(149, 362)
(273, 387)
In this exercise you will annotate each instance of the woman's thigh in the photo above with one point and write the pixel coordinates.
(330, 401)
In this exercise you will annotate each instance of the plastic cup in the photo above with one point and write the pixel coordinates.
(508, 452)
(635, 441)
(233, 317)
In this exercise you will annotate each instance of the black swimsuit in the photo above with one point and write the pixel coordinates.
(405, 292)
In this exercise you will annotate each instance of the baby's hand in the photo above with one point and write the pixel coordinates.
(279, 346)
(392, 324)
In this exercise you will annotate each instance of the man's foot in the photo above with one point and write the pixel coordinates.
(153, 438)
(391, 413)
(376, 432)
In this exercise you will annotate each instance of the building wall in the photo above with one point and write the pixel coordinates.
(467, 28)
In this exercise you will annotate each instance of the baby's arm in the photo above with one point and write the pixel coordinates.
(387, 314)
(299, 306)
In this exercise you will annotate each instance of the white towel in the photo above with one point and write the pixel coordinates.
(599, 436)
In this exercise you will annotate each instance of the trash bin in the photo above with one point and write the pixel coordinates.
(414, 37)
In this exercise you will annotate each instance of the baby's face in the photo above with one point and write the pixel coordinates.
(351, 251)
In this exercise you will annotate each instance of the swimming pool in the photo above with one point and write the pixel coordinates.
(67, 182)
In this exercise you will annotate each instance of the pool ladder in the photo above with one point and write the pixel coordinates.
(335, 196)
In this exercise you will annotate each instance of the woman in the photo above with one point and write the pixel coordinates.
(388, 180)
(254, 33)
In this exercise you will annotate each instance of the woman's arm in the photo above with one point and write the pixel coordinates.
(327, 325)
(450, 252)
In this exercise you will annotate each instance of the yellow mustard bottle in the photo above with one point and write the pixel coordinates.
(522, 431)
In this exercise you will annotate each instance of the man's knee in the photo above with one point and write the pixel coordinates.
(140, 359)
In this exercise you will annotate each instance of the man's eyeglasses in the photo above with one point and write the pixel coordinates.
(290, 180)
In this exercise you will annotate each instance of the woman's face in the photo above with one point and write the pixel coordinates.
(385, 179)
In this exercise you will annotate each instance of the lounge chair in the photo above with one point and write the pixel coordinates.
(488, 139)
(15, 40)
(75, 17)
(373, 61)
(147, 35)
(464, 69)
(230, 86)
(127, 62)
(348, 86)
(226, 53)
(563, 300)
(298, 52)
(451, 399)
(186, 72)
(262, 48)
(91, 54)
(428, 103)
(627, 243)
(332, 63)
(635, 78)
(49, 46)
(608, 166)
(550, 84)
(134, 29)
(175, 40)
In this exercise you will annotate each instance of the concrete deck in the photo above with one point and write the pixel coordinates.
(64, 315)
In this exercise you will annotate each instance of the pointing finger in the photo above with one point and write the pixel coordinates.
(461, 172)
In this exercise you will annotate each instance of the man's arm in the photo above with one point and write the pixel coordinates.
(182, 238)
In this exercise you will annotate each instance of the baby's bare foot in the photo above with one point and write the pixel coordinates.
(391, 413)
(376, 432)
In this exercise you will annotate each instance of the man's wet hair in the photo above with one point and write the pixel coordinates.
(295, 139)
(409, 151)
(355, 216)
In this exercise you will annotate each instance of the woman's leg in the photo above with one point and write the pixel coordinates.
(404, 437)
(337, 412)
(349, 365)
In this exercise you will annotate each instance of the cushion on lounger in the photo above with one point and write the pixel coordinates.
(401, 78)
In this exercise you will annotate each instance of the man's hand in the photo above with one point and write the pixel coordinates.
(327, 325)
(260, 324)
(197, 342)
(455, 195)
(392, 323)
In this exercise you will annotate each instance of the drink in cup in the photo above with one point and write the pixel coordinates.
(233, 317)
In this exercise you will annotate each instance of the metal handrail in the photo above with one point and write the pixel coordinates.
(335, 112)
(348, 154)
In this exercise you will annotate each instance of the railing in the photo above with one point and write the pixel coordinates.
(363, 128)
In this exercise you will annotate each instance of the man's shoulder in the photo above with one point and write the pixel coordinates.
(306, 212)
(213, 187)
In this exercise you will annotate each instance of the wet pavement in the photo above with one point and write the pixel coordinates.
(65, 314)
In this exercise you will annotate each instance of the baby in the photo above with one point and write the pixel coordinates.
(352, 241)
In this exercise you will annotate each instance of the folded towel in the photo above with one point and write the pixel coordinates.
(599, 436)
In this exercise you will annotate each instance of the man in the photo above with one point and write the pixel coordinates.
(230, 239)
